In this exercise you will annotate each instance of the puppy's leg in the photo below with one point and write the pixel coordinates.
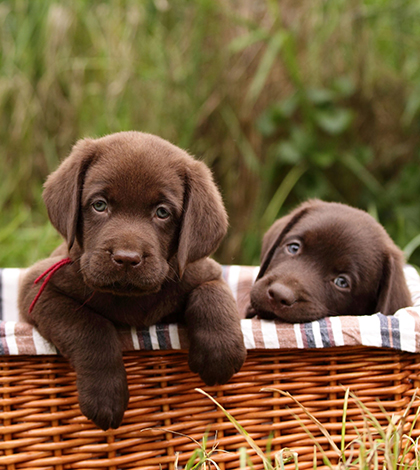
(92, 345)
(217, 348)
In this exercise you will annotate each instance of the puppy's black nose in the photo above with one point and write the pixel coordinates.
(126, 258)
(281, 294)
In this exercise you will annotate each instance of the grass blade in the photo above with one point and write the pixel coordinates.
(233, 124)
(241, 430)
(277, 201)
(310, 416)
(364, 175)
(285, 456)
(411, 247)
(343, 424)
(274, 46)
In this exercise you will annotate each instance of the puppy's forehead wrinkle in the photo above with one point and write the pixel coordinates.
(346, 222)
(140, 185)
(338, 234)
(135, 143)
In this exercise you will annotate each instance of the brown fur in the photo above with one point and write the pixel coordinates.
(306, 252)
(132, 265)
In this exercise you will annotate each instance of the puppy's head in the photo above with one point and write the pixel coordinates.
(328, 259)
(134, 207)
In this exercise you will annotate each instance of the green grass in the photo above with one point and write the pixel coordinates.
(376, 447)
(284, 101)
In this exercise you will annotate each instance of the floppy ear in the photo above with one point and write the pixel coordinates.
(204, 221)
(63, 190)
(393, 291)
(272, 235)
(276, 233)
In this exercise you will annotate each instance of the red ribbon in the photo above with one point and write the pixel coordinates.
(50, 271)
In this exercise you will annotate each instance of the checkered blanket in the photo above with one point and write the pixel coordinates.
(400, 331)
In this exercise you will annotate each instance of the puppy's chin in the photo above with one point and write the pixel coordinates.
(300, 312)
(126, 290)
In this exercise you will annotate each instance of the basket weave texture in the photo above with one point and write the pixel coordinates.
(42, 426)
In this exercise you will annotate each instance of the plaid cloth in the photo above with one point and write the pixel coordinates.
(400, 331)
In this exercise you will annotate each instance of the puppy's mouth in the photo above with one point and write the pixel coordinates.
(300, 310)
(103, 276)
(125, 289)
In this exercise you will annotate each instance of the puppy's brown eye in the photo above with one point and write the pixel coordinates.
(341, 282)
(162, 213)
(100, 206)
(293, 248)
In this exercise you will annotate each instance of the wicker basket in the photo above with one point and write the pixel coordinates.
(42, 426)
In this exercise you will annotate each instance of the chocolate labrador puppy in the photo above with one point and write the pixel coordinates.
(139, 217)
(328, 259)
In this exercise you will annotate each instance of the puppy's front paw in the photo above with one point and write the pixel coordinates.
(216, 359)
(104, 399)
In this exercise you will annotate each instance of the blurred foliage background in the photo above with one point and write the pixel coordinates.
(284, 100)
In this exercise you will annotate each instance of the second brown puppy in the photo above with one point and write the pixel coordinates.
(328, 259)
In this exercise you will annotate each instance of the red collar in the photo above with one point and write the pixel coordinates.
(50, 271)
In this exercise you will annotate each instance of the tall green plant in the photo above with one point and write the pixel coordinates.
(317, 139)
(284, 100)
(75, 69)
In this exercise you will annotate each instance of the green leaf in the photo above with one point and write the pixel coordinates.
(344, 86)
(320, 96)
(266, 124)
(287, 152)
(287, 107)
(302, 139)
(276, 114)
(364, 154)
(322, 159)
(334, 121)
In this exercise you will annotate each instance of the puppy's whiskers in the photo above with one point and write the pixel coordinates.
(333, 313)
(173, 275)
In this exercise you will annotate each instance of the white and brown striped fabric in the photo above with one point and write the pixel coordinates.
(400, 331)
